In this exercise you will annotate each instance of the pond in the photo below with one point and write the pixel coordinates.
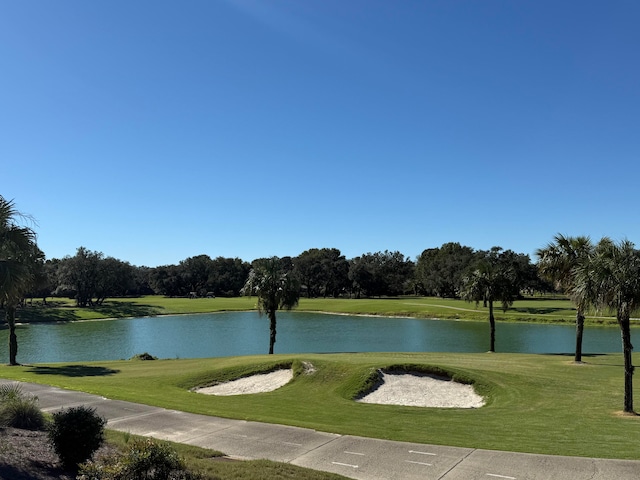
(247, 333)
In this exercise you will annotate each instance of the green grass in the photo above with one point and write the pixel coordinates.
(533, 309)
(61, 309)
(536, 403)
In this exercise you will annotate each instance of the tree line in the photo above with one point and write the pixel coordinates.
(90, 277)
(604, 275)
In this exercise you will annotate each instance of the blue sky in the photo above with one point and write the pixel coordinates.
(153, 131)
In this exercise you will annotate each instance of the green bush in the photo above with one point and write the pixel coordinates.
(143, 356)
(75, 434)
(19, 410)
(145, 460)
(9, 392)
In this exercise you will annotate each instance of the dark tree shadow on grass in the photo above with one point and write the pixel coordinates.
(122, 309)
(44, 314)
(73, 371)
(568, 354)
(538, 310)
(109, 309)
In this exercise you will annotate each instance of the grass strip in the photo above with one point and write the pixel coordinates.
(531, 309)
(213, 465)
(535, 403)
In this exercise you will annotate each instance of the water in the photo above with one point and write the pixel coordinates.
(247, 333)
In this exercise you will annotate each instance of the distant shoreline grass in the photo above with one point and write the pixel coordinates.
(535, 403)
(531, 310)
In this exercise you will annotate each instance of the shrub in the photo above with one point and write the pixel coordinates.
(10, 391)
(145, 460)
(19, 410)
(144, 356)
(75, 434)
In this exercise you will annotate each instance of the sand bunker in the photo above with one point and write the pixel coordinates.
(409, 389)
(423, 390)
(261, 383)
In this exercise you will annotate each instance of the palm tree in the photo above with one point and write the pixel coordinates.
(493, 279)
(615, 270)
(18, 254)
(558, 262)
(276, 288)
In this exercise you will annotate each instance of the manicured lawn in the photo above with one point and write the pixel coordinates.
(536, 403)
(534, 309)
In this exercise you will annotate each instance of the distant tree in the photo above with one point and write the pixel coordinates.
(335, 269)
(362, 275)
(381, 273)
(493, 279)
(92, 277)
(19, 259)
(560, 261)
(425, 275)
(365, 272)
(80, 274)
(615, 270)
(167, 280)
(308, 267)
(275, 285)
(115, 278)
(196, 271)
(227, 276)
(397, 272)
(322, 271)
(440, 270)
(142, 281)
(525, 272)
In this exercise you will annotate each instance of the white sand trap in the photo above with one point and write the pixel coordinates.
(423, 390)
(261, 383)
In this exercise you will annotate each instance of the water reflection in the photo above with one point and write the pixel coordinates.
(247, 333)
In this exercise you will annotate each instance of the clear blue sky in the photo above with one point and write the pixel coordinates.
(153, 131)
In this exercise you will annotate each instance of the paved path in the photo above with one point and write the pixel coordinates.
(354, 457)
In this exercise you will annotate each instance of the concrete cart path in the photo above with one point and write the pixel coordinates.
(354, 457)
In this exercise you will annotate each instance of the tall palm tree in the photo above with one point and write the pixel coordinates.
(276, 288)
(493, 279)
(18, 253)
(558, 262)
(615, 269)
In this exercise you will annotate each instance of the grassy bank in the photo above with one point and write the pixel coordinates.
(536, 403)
(541, 310)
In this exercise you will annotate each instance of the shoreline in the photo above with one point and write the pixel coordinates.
(536, 320)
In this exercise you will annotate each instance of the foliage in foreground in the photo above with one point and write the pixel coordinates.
(145, 459)
(18, 409)
(75, 434)
(211, 465)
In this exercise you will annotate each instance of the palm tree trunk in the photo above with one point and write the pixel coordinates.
(627, 348)
(13, 339)
(272, 330)
(492, 323)
(579, 333)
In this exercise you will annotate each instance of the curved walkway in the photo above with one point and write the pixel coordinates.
(354, 457)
